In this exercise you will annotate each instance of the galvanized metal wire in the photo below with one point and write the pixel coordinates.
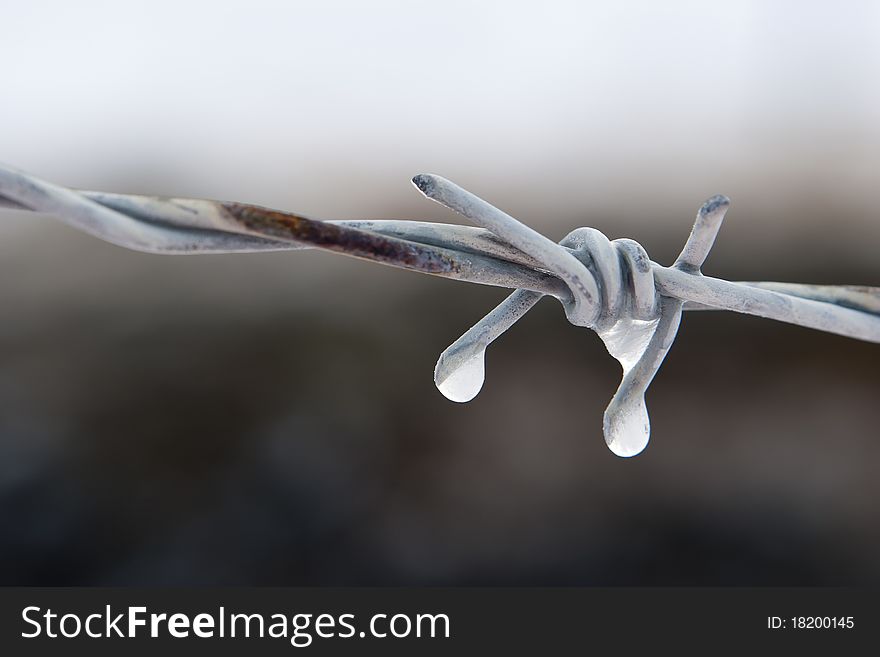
(611, 287)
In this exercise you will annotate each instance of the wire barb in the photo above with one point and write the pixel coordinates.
(609, 286)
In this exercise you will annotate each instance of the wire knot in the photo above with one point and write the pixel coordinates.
(612, 291)
(624, 280)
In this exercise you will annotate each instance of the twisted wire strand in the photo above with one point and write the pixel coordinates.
(611, 287)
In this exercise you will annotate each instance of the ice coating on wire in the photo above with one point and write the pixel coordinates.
(609, 286)
(614, 283)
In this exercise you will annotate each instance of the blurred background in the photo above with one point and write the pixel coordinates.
(271, 419)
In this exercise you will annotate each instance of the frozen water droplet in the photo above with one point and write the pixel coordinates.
(464, 382)
(627, 428)
(627, 339)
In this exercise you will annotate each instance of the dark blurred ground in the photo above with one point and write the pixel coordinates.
(271, 419)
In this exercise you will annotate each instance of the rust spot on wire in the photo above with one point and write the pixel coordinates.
(344, 239)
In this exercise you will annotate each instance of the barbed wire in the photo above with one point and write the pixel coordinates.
(611, 287)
